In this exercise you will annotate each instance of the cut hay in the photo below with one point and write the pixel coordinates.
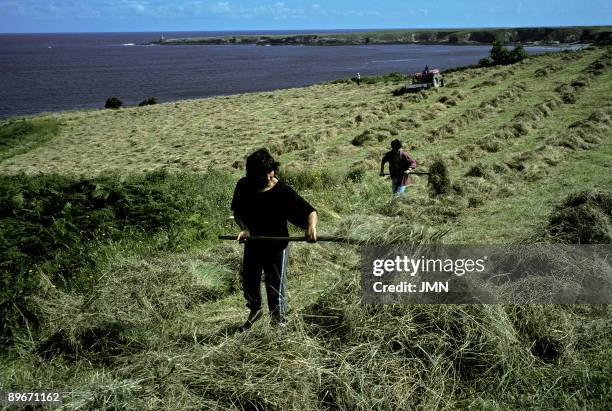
(489, 144)
(362, 138)
(583, 218)
(439, 181)
(469, 152)
(448, 101)
(479, 170)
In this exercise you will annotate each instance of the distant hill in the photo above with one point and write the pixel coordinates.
(536, 35)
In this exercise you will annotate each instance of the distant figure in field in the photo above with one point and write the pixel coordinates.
(358, 79)
(262, 206)
(400, 163)
(426, 71)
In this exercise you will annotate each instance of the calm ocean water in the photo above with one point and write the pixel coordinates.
(52, 72)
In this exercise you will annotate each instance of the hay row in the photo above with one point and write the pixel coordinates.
(570, 91)
(582, 135)
(547, 71)
(452, 127)
(597, 67)
(520, 125)
(488, 179)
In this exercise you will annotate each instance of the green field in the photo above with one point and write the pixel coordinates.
(116, 291)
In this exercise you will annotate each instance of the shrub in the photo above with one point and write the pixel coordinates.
(484, 62)
(53, 224)
(517, 54)
(148, 102)
(113, 102)
(501, 55)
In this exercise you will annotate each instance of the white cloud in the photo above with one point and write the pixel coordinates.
(243, 10)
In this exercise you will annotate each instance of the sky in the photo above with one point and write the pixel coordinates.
(35, 16)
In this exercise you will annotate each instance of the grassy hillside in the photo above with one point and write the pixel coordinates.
(129, 301)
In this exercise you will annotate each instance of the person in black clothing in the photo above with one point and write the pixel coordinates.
(262, 206)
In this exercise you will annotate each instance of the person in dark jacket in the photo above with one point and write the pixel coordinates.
(262, 206)
(400, 163)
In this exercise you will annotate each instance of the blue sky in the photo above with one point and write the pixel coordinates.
(195, 15)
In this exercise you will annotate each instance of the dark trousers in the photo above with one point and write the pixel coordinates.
(274, 264)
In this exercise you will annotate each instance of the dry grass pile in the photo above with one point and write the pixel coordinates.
(439, 179)
(506, 132)
(469, 152)
(489, 144)
(479, 170)
(543, 72)
(431, 211)
(461, 349)
(534, 165)
(455, 125)
(520, 125)
(569, 92)
(585, 134)
(408, 123)
(583, 218)
(364, 137)
(539, 111)
(131, 296)
(486, 83)
(511, 94)
(597, 67)
(581, 135)
(381, 229)
(448, 101)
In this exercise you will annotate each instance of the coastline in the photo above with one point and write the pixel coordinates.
(543, 36)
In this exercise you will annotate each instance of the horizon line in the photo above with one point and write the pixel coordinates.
(307, 29)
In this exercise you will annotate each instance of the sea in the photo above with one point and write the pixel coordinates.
(66, 71)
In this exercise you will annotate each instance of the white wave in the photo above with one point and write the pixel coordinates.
(129, 44)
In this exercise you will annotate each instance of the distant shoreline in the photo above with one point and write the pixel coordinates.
(545, 36)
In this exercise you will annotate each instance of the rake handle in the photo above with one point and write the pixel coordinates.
(416, 173)
(272, 238)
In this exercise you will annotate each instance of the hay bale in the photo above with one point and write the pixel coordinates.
(583, 218)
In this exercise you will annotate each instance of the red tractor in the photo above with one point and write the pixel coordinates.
(423, 80)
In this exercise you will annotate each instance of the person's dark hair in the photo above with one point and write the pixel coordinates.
(396, 144)
(260, 163)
